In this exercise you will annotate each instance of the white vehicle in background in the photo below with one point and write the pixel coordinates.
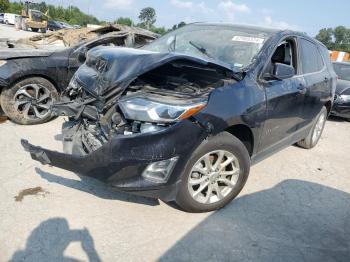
(10, 19)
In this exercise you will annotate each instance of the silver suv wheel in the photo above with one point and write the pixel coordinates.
(318, 128)
(213, 177)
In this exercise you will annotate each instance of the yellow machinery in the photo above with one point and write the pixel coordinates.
(31, 19)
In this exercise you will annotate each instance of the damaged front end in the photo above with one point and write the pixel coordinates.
(132, 118)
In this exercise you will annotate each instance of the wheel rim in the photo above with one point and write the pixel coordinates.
(318, 128)
(33, 101)
(213, 177)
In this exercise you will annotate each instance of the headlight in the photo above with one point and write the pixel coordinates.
(2, 62)
(344, 98)
(146, 109)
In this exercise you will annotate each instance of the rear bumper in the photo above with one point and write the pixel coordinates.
(121, 161)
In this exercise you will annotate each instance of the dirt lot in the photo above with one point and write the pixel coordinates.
(8, 31)
(295, 207)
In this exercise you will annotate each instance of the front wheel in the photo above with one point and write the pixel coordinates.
(316, 131)
(29, 101)
(214, 175)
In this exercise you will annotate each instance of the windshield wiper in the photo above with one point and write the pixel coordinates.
(200, 49)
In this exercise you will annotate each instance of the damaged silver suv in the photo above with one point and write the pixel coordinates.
(183, 118)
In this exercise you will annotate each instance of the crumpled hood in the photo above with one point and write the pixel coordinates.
(123, 65)
(11, 53)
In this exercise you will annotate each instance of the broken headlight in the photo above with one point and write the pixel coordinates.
(146, 109)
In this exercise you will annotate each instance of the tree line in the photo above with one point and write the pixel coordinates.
(74, 16)
(337, 38)
(71, 15)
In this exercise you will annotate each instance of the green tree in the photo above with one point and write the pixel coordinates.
(15, 8)
(4, 5)
(124, 21)
(71, 15)
(335, 39)
(148, 17)
(158, 30)
(176, 26)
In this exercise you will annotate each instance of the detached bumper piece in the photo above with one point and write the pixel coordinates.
(37, 153)
(122, 161)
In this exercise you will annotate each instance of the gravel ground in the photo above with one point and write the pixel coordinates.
(8, 31)
(295, 207)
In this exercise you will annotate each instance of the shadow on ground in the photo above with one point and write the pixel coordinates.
(51, 238)
(293, 221)
(95, 187)
(337, 119)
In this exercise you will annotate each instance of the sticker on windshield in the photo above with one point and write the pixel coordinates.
(248, 39)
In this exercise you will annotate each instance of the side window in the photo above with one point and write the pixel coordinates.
(311, 60)
(285, 53)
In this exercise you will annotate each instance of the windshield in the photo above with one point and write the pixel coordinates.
(36, 14)
(233, 45)
(343, 71)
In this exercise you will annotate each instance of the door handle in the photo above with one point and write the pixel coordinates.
(326, 80)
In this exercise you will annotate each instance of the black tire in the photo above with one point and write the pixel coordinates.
(7, 100)
(35, 30)
(223, 141)
(308, 142)
(43, 30)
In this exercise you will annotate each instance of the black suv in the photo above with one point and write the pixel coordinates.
(184, 118)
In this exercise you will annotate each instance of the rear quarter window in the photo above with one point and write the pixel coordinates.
(310, 57)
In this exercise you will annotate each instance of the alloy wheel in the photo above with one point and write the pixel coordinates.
(318, 128)
(213, 177)
(33, 101)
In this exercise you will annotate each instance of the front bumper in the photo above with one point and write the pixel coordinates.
(341, 110)
(121, 161)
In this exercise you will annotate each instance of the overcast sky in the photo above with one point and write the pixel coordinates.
(304, 15)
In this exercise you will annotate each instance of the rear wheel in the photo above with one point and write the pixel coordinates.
(214, 175)
(28, 102)
(316, 131)
(35, 29)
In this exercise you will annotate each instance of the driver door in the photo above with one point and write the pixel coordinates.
(284, 98)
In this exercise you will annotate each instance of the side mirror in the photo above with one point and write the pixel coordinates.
(283, 71)
(82, 54)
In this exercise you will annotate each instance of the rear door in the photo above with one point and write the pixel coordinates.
(317, 80)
